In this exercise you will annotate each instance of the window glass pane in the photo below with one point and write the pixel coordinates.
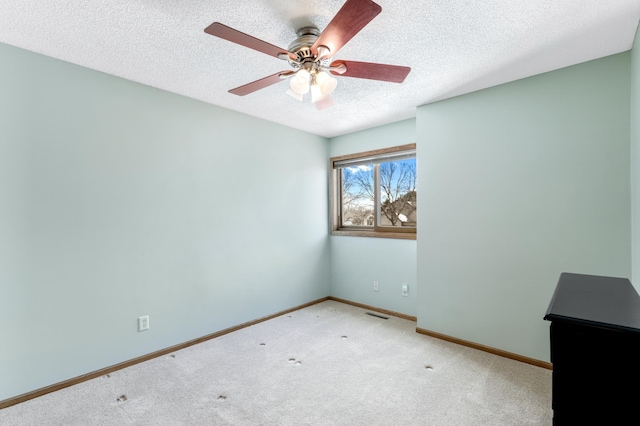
(398, 194)
(358, 196)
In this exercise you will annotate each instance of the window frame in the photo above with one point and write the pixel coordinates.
(335, 202)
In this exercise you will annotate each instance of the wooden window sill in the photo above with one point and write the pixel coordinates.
(374, 234)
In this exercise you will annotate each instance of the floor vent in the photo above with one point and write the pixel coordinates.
(373, 314)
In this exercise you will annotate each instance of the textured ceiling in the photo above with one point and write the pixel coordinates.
(452, 46)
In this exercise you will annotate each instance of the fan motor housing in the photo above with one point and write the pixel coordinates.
(301, 46)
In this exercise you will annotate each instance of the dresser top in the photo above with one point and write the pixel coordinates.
(600, 301)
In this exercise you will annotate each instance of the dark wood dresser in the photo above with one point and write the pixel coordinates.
(595, 351)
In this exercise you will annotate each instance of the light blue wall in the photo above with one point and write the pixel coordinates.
(358, 261)
(519, 183)
(119, 200)
(635, 159)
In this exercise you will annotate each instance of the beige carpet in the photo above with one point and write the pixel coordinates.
(328, 364)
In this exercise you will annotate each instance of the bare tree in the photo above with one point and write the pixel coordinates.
(352, 190)
(398, 189)
(357, 204)
(364, 180)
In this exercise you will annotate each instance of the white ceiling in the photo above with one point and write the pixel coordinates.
(452, 46)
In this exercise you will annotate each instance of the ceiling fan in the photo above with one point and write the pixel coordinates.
(311, 55)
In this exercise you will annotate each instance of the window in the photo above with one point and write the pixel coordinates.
(374, 193)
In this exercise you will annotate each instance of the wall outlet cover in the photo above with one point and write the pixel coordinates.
(143, 323)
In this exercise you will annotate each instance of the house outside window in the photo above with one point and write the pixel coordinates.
(374, 193)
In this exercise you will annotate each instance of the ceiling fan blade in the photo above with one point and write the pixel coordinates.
(369, 70)
(220, 30)
(324, 103)
(260, 84)
(350, 19)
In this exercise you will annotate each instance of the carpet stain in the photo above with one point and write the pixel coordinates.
(106, 376)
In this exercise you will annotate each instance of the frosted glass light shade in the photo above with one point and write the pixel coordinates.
(300, 82)
(316, 93)
(322, 85)
(326, 82)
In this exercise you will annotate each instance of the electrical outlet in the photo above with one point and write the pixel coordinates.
(376, 286)
(143, 323)
(405, 289)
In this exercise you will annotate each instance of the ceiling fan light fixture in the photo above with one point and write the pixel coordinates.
(300, 82)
